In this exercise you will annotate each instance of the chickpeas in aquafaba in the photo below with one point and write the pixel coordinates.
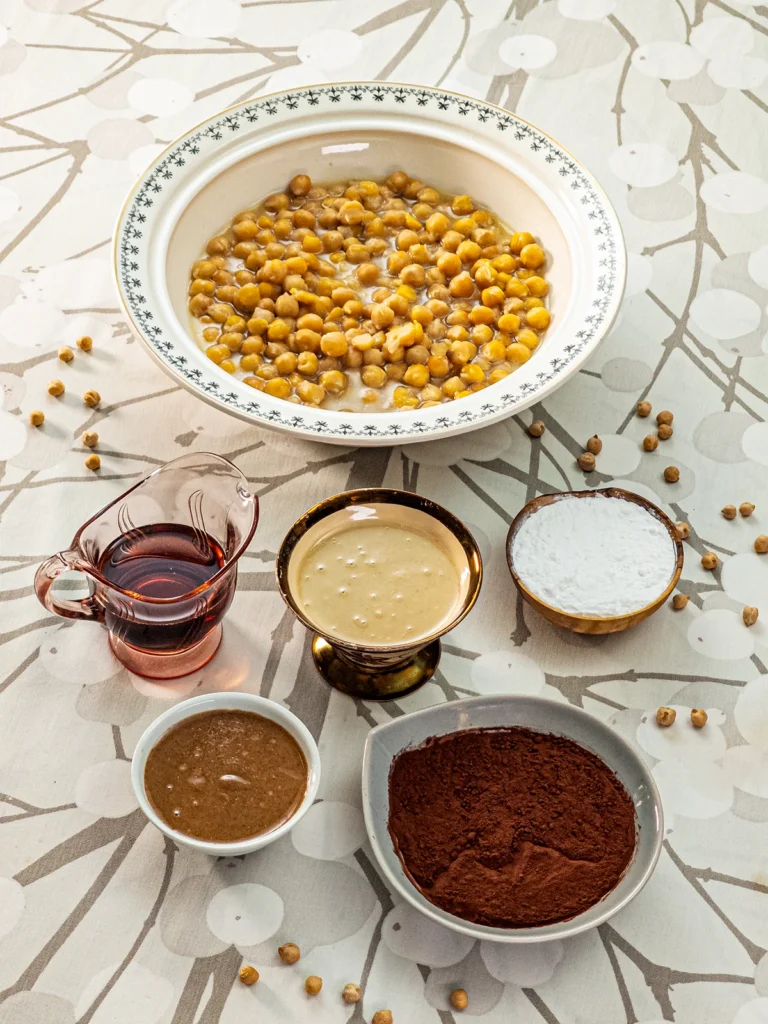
(369, 295)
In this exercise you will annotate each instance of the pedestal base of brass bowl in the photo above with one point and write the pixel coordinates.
(369, 684)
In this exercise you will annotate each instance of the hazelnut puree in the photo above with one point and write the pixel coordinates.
(225, 775)
(509, 827)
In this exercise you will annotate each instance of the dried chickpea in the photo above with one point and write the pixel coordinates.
(92, 398)
(761, 544)
(93, 462)
(698, 718)
(683, 530)
(351, 993)
(709, 560)
(248, 975)
(750, 615)
(594, 445)
(665, 416)
(671, 474)
(85, 343)
(650, 442)
(537, 428)
(55, 388)
(382, 1017)
(313, 984)
(66, 355)
(36, 418)
(586, 461)
(643, 409)
(664, 432)
(679, 601)
(665, 717)
(459, 999)
(746, 508)
(728, 512)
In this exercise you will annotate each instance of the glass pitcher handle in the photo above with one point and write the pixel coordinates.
(53, 567)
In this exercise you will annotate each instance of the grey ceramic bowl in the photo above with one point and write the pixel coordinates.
(386, 741)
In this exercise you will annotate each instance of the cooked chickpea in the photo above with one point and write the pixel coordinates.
(517, 353)
(444, 316)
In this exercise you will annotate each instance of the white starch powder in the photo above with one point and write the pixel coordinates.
(594, 556)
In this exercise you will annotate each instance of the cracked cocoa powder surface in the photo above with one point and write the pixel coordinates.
(509, 827)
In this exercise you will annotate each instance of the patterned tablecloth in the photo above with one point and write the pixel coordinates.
(104, 921)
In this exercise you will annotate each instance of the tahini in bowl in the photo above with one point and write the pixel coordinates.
(367, 130)
(594, 624)
(385, 742)
(217, 702)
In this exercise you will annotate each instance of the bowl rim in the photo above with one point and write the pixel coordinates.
(564, 929)
(236, 701)
(612, 492)
(386, 427)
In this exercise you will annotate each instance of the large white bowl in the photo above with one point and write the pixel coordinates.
(368, 130)
(233, 702)
(385, 742)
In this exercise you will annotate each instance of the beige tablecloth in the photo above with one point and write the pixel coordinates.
(102, 919)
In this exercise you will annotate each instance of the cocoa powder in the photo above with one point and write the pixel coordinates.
(509, 827)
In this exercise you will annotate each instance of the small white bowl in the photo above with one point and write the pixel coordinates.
(232, 702)
(385, 742)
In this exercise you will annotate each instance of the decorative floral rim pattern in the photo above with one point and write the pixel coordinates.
(132, 279)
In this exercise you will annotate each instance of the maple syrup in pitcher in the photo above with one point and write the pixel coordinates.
(159, 563)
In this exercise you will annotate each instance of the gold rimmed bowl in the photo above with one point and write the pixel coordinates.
(377, 671)
(594, 624)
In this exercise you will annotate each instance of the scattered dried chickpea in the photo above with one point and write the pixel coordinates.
(728, 512)
(671, 474)
(55, 388)
(90, 438)
(289, 953)
(66, 355)
(314, 281)
(665, 431)
(679, 601)
(750, 615)
(93, 462)
(248, 975)
(650, 442)
(37, 417)
(85, 344)
(761, 544)
(537, 428)
(709, 560)
(382, 1017)
(698, 718)
(644, 409)
(92, 398)
(351, 993)
(459, 999)
(746, 508)
(665, 717)
(665, 416)
(313, 984)
(586, 461)
(594, 445)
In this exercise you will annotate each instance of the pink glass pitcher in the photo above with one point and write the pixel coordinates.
(161, 561)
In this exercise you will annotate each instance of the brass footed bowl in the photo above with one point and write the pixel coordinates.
(594, 624)
(378, 672)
